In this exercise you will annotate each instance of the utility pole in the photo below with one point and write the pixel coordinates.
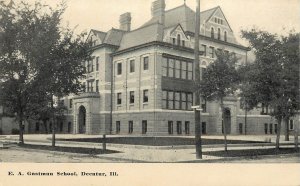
(197, 86)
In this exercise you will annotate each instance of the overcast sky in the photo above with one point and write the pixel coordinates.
(270, 15)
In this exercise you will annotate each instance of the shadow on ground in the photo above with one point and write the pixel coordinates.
(251, 152)
(158, 141)
(80, 150)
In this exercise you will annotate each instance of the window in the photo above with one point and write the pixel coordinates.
(132, 66)
(97, 63)
(83, 87)
(179, 127)
(119, 68)
(221, 21)
(164, 99)
(203, 130)
(144, 126)
(271, 128)
(131, 97)
(219, 33)
(90, 87)
(266, 128)
(145, 96)
(204, 50)
(170, 100)
(187, 127)
(211, 52)
(178, 39)
(176, 100)
(225, 36)
(177, 69)
(184, 70)
(118, 127)
(71, 103)
(183, 43)
(92, 65)
(291, 126)
(89, 66)
(37, 126)
(216, 20)
(69, 127)
(203, 105)
(165, 67)
(130, 127)
(241, 128)
(97, 85)
(190, 71)
(275, 128)
(171, 67)
(170, 127)
(212, 33)
(61, 126)
(119, 98)
(146, 63)
(174, 41)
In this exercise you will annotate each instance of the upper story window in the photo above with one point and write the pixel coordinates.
(204, 50)
(131, 97)
(225, 36)
(119, 68)
(145, 96)
(97, 63)
(219, 33)
(178, 39)
(212, 33)
(119, 98)
(211, 52)
(97, 85)
(90, 87)
(146, 63)
(177, 68)
(132, 66)
(71, 103)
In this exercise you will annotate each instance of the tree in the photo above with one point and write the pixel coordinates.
(39, 59)
(220, 80)
(274, 75)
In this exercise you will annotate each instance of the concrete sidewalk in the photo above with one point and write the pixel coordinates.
(139, 153)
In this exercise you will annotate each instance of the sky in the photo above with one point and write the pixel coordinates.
(275, 16)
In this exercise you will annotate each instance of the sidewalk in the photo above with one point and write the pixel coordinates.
(139, 153)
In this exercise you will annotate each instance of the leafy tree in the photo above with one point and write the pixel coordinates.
(220, 80)
(274, 77)
(39, 59)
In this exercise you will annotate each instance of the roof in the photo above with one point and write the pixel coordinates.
(149, 33)
(114, 37)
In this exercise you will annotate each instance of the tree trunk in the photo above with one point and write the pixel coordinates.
(278, 133)
(21, 132)
(287, 137)
(245, 121)
(224, 126)
(53, 122)
(296, 135)
(53, 132)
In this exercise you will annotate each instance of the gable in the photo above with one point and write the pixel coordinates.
(178, 30)
(218, 18)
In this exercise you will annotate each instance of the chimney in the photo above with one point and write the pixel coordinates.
(158, 10)
(125, 21)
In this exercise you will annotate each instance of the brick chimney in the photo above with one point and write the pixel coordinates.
(158, 10)
(125, 21)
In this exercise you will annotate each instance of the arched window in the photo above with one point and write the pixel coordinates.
(212, 33)
(178, 39)
(219, 33)
(225, 36)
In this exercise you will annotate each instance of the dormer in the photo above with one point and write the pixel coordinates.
(96, 37)
(177, 36)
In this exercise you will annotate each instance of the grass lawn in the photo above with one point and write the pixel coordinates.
(158, 141)
(251, 152)
(80, 150)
